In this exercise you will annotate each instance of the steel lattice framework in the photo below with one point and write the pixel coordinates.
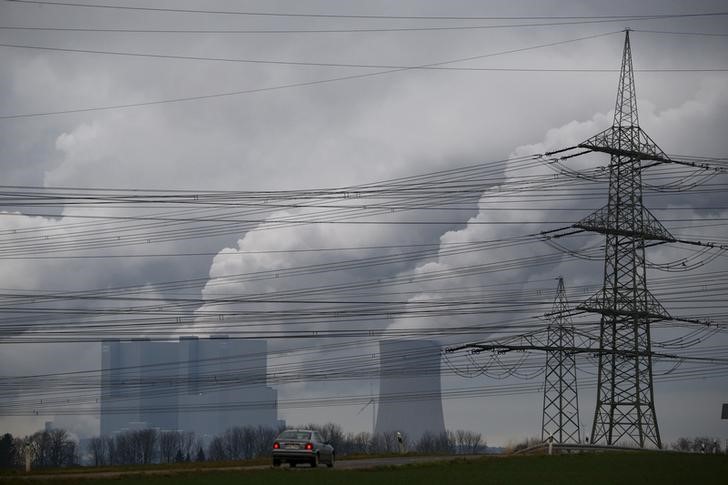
(560, 397)
(625, 409)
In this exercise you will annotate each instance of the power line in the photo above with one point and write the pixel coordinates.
(296, 84)
(360, 16)
(701, 34)
(346, 65)
(322, 31)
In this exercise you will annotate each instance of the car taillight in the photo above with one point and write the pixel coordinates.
(276, 445)
(309, 446)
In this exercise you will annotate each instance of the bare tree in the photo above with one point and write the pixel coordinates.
(53, 448)
(216, 450)
(460, 438)
(40, 442)
(97, 449)
(264, 440)
(682, 444)
(333, 434)
(57, 439)
(125, 449)
(110, 445)
(233, 440)
(443, 442)
(249, 438)
(200, 454)
(136, 447)
(426, 443)
(387, 442)
(147, 439)
(188, 442)
(467, 441)
(18, 444)
(346, 445)
(705, 444)
(169, 445)
(242, 443)
(361, 442)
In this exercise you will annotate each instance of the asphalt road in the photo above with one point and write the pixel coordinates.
(340, 465)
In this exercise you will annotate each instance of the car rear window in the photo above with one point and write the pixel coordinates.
(295, 435)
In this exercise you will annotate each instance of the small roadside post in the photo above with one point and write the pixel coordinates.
(29, 452)
(724, 415)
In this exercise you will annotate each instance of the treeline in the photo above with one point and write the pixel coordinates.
(700, 444)
(55, 448)
(248, 442)
(145, 446)
(48, 449)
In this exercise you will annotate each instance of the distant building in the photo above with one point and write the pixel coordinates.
(409, 388)
(202, 385)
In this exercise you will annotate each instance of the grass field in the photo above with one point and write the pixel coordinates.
(591, 469)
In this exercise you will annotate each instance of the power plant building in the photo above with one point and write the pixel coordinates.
(205, 385)
(409, 388)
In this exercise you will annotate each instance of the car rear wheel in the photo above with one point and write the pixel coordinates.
(315, 461)
(331, 462)
(293, 464)
(276, 463)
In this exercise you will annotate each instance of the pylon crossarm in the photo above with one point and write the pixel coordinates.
(648, 229)
(622, 232)
(546, 237)
(556, 164)
(503, 348)
(560, 150)
(648, 317)
(630, 154)
(571, 312)
(701, 165)
(705, 323)
(706, 244)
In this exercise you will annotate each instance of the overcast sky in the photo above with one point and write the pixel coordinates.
(341, 133)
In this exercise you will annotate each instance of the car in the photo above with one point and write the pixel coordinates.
(294, 446)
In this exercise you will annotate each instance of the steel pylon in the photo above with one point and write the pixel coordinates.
(560, 398)
(625, 408)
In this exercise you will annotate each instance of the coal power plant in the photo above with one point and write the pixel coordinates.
(409, 388)
(205, 385)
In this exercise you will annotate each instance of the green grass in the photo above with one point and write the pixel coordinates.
(129, 468)
(592, 469)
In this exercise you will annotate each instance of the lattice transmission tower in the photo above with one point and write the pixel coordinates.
(560, 397)
(625, 408)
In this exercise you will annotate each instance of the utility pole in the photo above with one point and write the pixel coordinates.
(560, 422)
(374, 406)
(29, 451)
(625, 408)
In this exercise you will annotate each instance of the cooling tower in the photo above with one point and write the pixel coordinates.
(226, 386)
(136, 379)
(203, 385)
(409, 388)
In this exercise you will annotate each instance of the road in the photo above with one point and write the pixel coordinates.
(340, 465)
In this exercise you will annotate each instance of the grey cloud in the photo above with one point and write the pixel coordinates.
(329, 135)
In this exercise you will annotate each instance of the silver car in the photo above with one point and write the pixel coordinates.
(296, 446)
